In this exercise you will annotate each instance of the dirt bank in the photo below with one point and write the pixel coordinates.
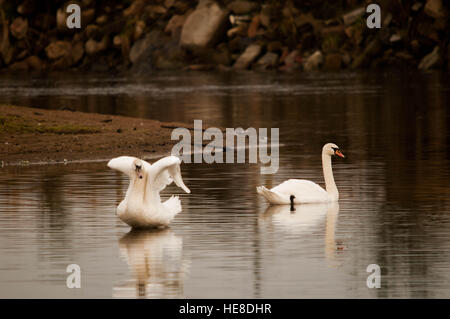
(29, 135)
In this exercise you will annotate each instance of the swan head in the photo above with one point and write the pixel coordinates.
(332, 149)
(138, 167)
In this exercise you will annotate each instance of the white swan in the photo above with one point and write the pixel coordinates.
(301, 191)
(142, 207)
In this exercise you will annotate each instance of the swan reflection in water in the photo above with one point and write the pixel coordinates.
(305, 219)
(155, 258)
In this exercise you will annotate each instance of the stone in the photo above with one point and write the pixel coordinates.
(395, 38)
(19, 66)
(87, 16)
(430, 60)
(139, 29)
(416, 6)
(61, 20)
(204, 26)
(247, 57)
(238, 30)
(176, 23)
(77, 52)
(92, 31)
(35, 63)
(267, 61)
(101, 19)
(291, 60)
(19, 28)
(274, 46)
(435, 9)
(58, 49)
(134, 8)
(243, 7)
(372, 49)
(333, 62)
(93, 47)
(313, 61)
(139, 47)
(253, 28)
(352, 16)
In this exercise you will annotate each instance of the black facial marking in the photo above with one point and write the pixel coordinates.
(292, 203)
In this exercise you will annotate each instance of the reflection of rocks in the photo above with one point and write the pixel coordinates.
(155, 259)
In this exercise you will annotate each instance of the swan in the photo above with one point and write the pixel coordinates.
(142, 207)
(301, 191)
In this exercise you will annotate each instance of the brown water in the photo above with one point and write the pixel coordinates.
(394, 188)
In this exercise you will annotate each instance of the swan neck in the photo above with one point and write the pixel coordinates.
(330, 185)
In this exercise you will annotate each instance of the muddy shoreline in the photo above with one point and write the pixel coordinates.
(37, 136)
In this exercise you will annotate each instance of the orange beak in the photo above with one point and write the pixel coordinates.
(339, 153)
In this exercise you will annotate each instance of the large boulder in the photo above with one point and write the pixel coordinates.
(204, 26)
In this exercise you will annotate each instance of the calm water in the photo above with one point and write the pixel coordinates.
(394, 187)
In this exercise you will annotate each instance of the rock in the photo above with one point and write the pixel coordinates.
(92, 31)
(27, 7)
(19, 28)
(139, 29)
(204, 26)
(176, 23)
(416, 6)
(156, 11)
(93, 47)
(292, 59)
(246, 58)
(395, 38)
(35, 64)
(77, 52)
(435, 9)
(372, 49)
(430, 60)
(253, 28)
(61, 20)
(134, 8)
(267, 61)
(333, 62)
(139, 47)
(58, 49)
(169, 3)
(19, 66)
(243, 7)
(352, 16)
(313, 61)
(180, 7)
(274, 46)
(87, 16)
(238, 30)
(101, 19)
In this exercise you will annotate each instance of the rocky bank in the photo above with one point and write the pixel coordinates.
(142, 36)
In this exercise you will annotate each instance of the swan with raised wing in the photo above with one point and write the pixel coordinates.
(142, 206)
(301, 191)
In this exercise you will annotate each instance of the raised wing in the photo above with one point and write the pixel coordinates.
(124, 164)
(164, 172)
